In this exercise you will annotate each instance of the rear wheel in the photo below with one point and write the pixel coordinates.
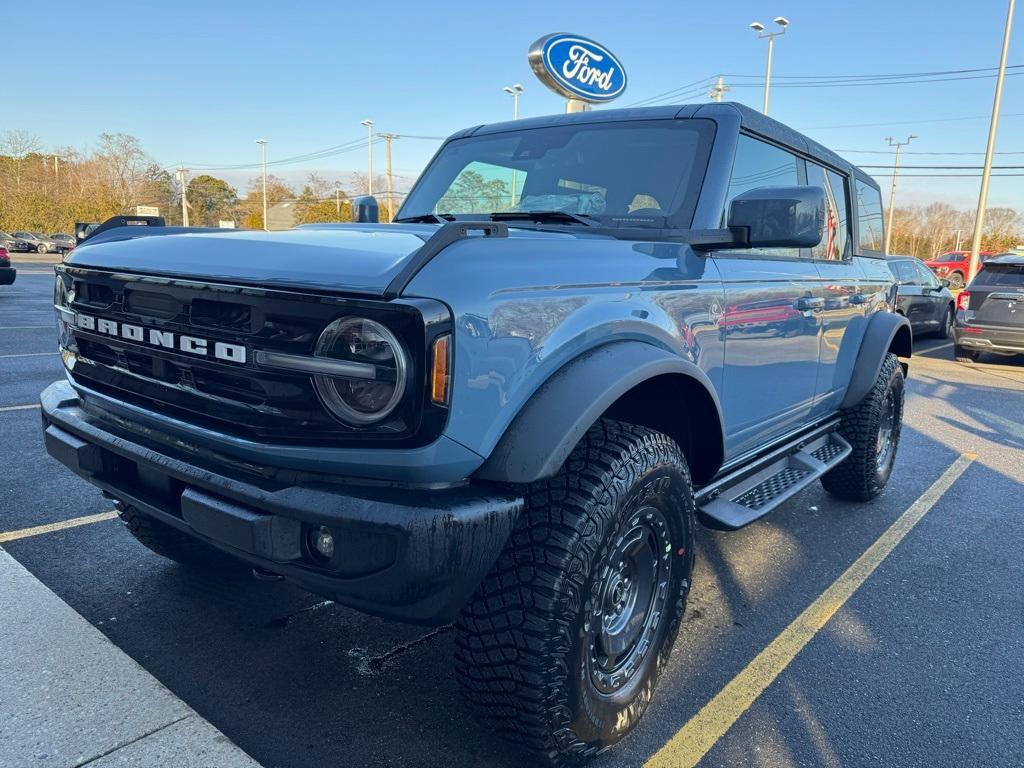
(40, 248)
(171, 543)
(872, 427)
(964, 355)
(946, 324)
(562, 645)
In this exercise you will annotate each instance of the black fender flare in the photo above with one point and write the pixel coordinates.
(551, 423)
(886, 332)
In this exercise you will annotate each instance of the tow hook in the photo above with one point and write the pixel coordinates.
(263, 575)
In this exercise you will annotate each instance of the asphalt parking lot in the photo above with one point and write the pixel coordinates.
(921, 666)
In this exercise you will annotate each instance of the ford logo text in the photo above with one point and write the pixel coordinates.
(577, 68)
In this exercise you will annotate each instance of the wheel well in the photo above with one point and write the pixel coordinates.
(680, 407)
(902, 342)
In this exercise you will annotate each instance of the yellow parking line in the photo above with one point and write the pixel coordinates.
(18, 407)
(39, 530)
(700, 734)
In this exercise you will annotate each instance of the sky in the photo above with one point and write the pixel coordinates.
(199, 82)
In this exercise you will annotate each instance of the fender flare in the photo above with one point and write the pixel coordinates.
(551, 423)
(886, 332)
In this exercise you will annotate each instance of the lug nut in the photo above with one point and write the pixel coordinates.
(323, 541)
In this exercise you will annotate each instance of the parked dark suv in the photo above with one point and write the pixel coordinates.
(510, 409)
(990, 312)
(922, 298)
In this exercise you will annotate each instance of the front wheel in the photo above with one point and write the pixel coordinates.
(956, 281)
(562, 645)
(40, 248)
(872, 427)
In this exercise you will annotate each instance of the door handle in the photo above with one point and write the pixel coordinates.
(810, 304)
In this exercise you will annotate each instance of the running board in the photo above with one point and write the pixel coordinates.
(750, 493)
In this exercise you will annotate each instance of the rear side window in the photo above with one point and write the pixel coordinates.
(1001, 275)
(759, 164)
(835, 240)
(869, 218)
(905, 272)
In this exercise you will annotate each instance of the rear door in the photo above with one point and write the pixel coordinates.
(771, 316)
(840, 286)
(997, 296)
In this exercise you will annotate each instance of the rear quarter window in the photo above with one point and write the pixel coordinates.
(869, 218)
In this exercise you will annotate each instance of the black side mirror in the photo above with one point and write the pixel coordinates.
(944, 282)
(780, 217)
(365, 209)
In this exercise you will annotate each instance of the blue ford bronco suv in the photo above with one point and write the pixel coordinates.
(509, 409)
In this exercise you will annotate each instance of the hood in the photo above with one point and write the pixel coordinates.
(350, 258)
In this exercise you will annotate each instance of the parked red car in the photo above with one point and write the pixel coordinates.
(953, 266)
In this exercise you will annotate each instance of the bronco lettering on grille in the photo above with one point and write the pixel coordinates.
(233, 353)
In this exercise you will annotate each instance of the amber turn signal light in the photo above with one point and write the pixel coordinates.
(441, 372)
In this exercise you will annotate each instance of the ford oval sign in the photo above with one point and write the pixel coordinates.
(577, 68)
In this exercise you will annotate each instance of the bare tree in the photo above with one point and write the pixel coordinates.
(18, 145)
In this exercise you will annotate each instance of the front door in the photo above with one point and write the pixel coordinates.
(770, 318)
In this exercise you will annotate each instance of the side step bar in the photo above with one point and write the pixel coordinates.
(751, 492)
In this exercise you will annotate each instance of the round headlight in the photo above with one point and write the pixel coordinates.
(374, 385)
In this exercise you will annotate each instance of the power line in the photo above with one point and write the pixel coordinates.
(932, 73)
(949, 167)
(884, 81)
(906, 122)
(888, 152)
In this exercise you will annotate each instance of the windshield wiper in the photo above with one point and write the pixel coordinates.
(547, 217)
(426, 218)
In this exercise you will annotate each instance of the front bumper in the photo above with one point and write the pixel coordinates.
(409, 554)
(7, 275)
(1007, 341)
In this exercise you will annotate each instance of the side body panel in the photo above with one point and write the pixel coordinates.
(523, 311)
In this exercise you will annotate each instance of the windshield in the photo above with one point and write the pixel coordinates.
(628, 173)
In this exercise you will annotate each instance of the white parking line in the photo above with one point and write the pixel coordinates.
(28, 354)
(25, 327)
(17, 407)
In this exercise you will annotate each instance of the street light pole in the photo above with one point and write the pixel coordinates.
(180, 173)
(514, 91)
(369, 152)
(892, 190)
(979, 219)
(337, 201)
(758, 27)
(263, 159)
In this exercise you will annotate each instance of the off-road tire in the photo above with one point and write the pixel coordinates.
(525, 651)
(964, 355)
(171, 543)
(862, 475)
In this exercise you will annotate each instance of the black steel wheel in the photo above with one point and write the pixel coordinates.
(561, 647)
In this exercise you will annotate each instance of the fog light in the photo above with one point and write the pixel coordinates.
(323, 541)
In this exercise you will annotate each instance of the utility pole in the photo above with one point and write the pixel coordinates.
(758, 27)
(892, 190)
(337, 201)
(515, 91)
(388, 137)
(56, 172)
(263, 159)
(369, 151)
(719, 89)
(184, 202)
(979, 219)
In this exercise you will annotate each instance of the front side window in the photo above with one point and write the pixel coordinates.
(927, 277)
(760, 164)
(869, 215)
(631, 173)
(905, 272)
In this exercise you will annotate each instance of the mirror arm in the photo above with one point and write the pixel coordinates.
(716, 239)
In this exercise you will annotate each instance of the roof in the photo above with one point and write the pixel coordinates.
(749, 118)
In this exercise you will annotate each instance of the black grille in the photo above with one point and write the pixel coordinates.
(232, 398)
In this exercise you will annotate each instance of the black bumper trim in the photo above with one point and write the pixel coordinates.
(424, 551)
(8, 275)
